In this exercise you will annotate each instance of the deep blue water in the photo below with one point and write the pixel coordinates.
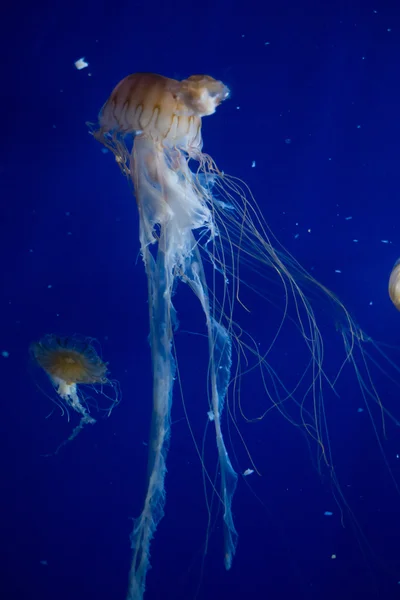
(314, 102)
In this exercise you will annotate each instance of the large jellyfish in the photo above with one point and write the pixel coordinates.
(196, 220)
(71, 362)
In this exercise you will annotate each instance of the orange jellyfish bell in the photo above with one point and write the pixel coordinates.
(71, 360)
(163, 109)
(394, 285)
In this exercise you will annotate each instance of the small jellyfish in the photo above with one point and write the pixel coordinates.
(71, 362)
(394, 285)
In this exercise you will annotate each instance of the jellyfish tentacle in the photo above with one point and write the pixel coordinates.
(168, 197)
(220, 354)
(160, 284)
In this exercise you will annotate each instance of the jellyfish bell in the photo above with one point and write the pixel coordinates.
(70, 359)
(72, 362)
(163, 109)
(394, 284)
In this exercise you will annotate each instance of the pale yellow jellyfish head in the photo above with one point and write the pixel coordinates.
(394, 285)
(71, 359)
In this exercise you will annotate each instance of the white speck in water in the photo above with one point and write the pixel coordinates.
(81, 63)
(248, 472)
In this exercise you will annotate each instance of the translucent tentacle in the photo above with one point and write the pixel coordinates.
(160, 282)
(171, 206)
(220, 349)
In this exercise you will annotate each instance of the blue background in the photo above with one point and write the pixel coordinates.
(319, 99)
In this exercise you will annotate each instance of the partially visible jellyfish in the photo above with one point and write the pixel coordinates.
(72, 362)
(199, 221)
(394, 284)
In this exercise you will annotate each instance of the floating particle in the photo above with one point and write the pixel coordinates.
(348, 218)
(358, 126)
(363, 58)
(5, 354)
(397, 456)
(81, 64)
(328, 513)
(385, 241)
(67, 214)
(389, 29)
(288, 141)
(238, 108)
(371, 303)
(333, 556)
(338, 271)
(44, 563)
(296, 236)
(104, 150)
(267, 43)
(308, 230)
(248, 472)
(360, 410)
(49, 286)
(329, 159)
(30, 250)
(253, 164)
(356, 241)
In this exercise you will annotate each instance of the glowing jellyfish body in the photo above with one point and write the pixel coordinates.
(166, 116)
(187, 216)
(71, 363)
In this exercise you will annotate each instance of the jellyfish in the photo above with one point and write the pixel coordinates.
(394, 285)
(202, 227)
(72, 362)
